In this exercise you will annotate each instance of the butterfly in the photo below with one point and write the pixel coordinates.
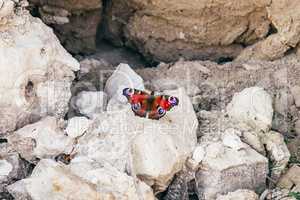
(148, 105)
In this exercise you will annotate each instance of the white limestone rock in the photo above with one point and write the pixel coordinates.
(30, 55)
(226, 169)
(198, 154)
(123, 77)
(153, 150)
(109, 179)
(161, 149)
(240, 195)
(82, 179)
(252, 106)
(229, 164)
(90, 103)
(77, 126)
(50, 180)
(5, 168)
(43, 139)
(296, 94)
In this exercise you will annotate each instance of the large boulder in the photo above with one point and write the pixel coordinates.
(252, 106)
(169, 30)
(32, 64)
(228, 163)
(43, 139)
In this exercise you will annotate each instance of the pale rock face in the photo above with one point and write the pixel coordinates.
(50, 180)
(30, 55)
(252, 106)
(43, 139)
(5, 168)
(296, 94)
(229, 163)
(163, 146)
(291, 178)
(240, 195)
(168, 30)
(109, 179)
(77, 126)
(278, 152)
(198, 154)
(123, 77)
(53, 97)
(229, 170)
(82, 179)
(90, 103)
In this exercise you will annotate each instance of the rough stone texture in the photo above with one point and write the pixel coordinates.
(30, 55)
(123, 77)
(287, 23)
(278, 152)
(82, 179)
(169, 30)
(12, 167)
(291, 180)
(52, 181)
(252, 106)
(218, 83)
(71, 19)
(239, 194)
(77, 126)
(229, 164)
(296, 94)
(89, 103)
(43, 139)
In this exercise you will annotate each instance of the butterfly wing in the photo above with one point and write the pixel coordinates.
(157, 111)
(138, 100)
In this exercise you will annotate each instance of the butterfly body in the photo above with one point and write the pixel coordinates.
(148, 105)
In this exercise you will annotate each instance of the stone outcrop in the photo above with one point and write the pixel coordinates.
(32, 64)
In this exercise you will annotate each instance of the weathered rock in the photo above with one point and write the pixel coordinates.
(109, 179)
(70, 20)
(43, 139)
(252, 106)
(278, 152)
(287, 25)
(239, 194)
(12, 167)
(167, 31)
(228, 164)
(77, 126)
(297, 127)
(296, 94)
(90, 103)
(38, 59)
(291, 180)
(123, 77)
(50, 180)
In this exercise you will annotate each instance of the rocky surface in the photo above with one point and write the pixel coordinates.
(239, 194)
(66, 135)
(37, 64)
(71, 19)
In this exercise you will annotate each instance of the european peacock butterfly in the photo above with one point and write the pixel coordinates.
(148, 105)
